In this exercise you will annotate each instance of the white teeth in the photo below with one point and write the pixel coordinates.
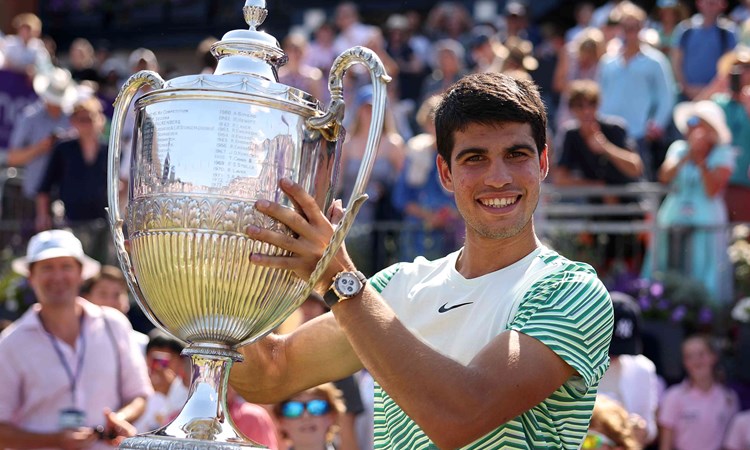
(498, 202)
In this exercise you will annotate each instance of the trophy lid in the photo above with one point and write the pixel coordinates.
(250, 51)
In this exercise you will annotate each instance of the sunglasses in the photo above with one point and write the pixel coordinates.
(595, 440)
(693, 121)
(295, 409)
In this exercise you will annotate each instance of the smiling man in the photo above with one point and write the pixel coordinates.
(499, 345)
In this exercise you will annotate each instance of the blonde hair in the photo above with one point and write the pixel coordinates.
(612, 420)
(628, 10)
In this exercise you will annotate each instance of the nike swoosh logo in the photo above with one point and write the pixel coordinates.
(446, 308)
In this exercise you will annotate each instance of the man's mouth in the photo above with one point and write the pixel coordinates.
(498, 202)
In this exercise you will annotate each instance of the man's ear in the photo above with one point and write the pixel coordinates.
(446, 178)
(544, 162)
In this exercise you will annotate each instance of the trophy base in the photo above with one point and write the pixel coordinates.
(151, 442)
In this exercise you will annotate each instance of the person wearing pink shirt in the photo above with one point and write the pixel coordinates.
(694, 414)
(69, 367)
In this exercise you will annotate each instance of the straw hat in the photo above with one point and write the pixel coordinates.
(56, 88)
(706, 110)
(739, 56)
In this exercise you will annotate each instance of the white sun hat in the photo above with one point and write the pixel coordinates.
(706, 110)
(55, 244)
(57, 88)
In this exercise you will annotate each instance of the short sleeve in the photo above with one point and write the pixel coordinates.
(571, 313)
(10, 380)
(722, 156)
(676, 151)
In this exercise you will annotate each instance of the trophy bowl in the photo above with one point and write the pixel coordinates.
(205, 149)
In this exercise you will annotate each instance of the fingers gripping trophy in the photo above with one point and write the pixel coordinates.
(206, 148)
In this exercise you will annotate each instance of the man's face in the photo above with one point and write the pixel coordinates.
(711, 7)
(495, 176)
(56, 281)
(109, 293)
(584, 110)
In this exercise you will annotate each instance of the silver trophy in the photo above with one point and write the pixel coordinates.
(205, 149)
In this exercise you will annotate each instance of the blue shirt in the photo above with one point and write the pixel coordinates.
(34, 125)
(639, 90)
(701, 48)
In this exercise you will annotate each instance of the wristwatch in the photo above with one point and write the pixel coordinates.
(347, 285)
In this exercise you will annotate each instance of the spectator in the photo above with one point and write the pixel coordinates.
(610, 428)
(78, 171)
(69, 366)
(738, 434)
(40, 126)
(431, 222)
(631, 378)
(206, 59)
(578, 60)
(695, 413)
(669, 13)
(252, 420)
(352, 32)
(295, 72)
(595, 148)
(487, 53)
(308, 419)
(365, 240)
(449, 20)
(516, 24)
(741, 12)
(583, 12)
(637, 85)
(24, 51)
(83, 61)
(602, 14)
(412, 68)
(448, 67)
(108, 288)
(692, 217)
(169, 373)
(731, 90)
(698, 44)
(520, 61)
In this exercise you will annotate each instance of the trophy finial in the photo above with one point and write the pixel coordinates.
(255, 13)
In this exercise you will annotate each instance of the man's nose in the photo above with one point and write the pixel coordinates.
(498, 174)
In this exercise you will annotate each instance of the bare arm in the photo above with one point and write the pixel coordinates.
(23, 155)
(277, 366)
(627, 162)
(669, 169)
(666, 438)
(133, 410)
(714, 180)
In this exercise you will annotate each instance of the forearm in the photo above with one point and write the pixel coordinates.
(627, 162)
(669, 170)
(277, 367)
(714, 181)
(24, 155)
(14, 437)
(133, 410)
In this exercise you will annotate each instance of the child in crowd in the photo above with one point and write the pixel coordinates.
(694, 414)
(308, 419)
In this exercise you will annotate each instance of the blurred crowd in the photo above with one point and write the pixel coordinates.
(632, 95)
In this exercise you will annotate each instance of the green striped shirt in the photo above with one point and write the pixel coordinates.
(557, 301)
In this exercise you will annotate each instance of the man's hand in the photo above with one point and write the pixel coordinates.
(313, 232)
(116, 429)
(77, 438)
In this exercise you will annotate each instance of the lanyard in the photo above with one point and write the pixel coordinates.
(72, 377)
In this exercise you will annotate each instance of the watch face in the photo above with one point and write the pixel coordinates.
(348, 284)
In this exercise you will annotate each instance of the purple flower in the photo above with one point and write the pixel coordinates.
(705, 315)
(662, 305)
(657, 290)
(679, 313)
(645, 302)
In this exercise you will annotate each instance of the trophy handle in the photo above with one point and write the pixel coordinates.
(122, 102)
(330, 123)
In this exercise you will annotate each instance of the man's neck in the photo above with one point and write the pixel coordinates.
(63, 321)
(482, 256)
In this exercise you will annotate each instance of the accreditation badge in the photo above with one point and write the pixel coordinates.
(71, 418)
